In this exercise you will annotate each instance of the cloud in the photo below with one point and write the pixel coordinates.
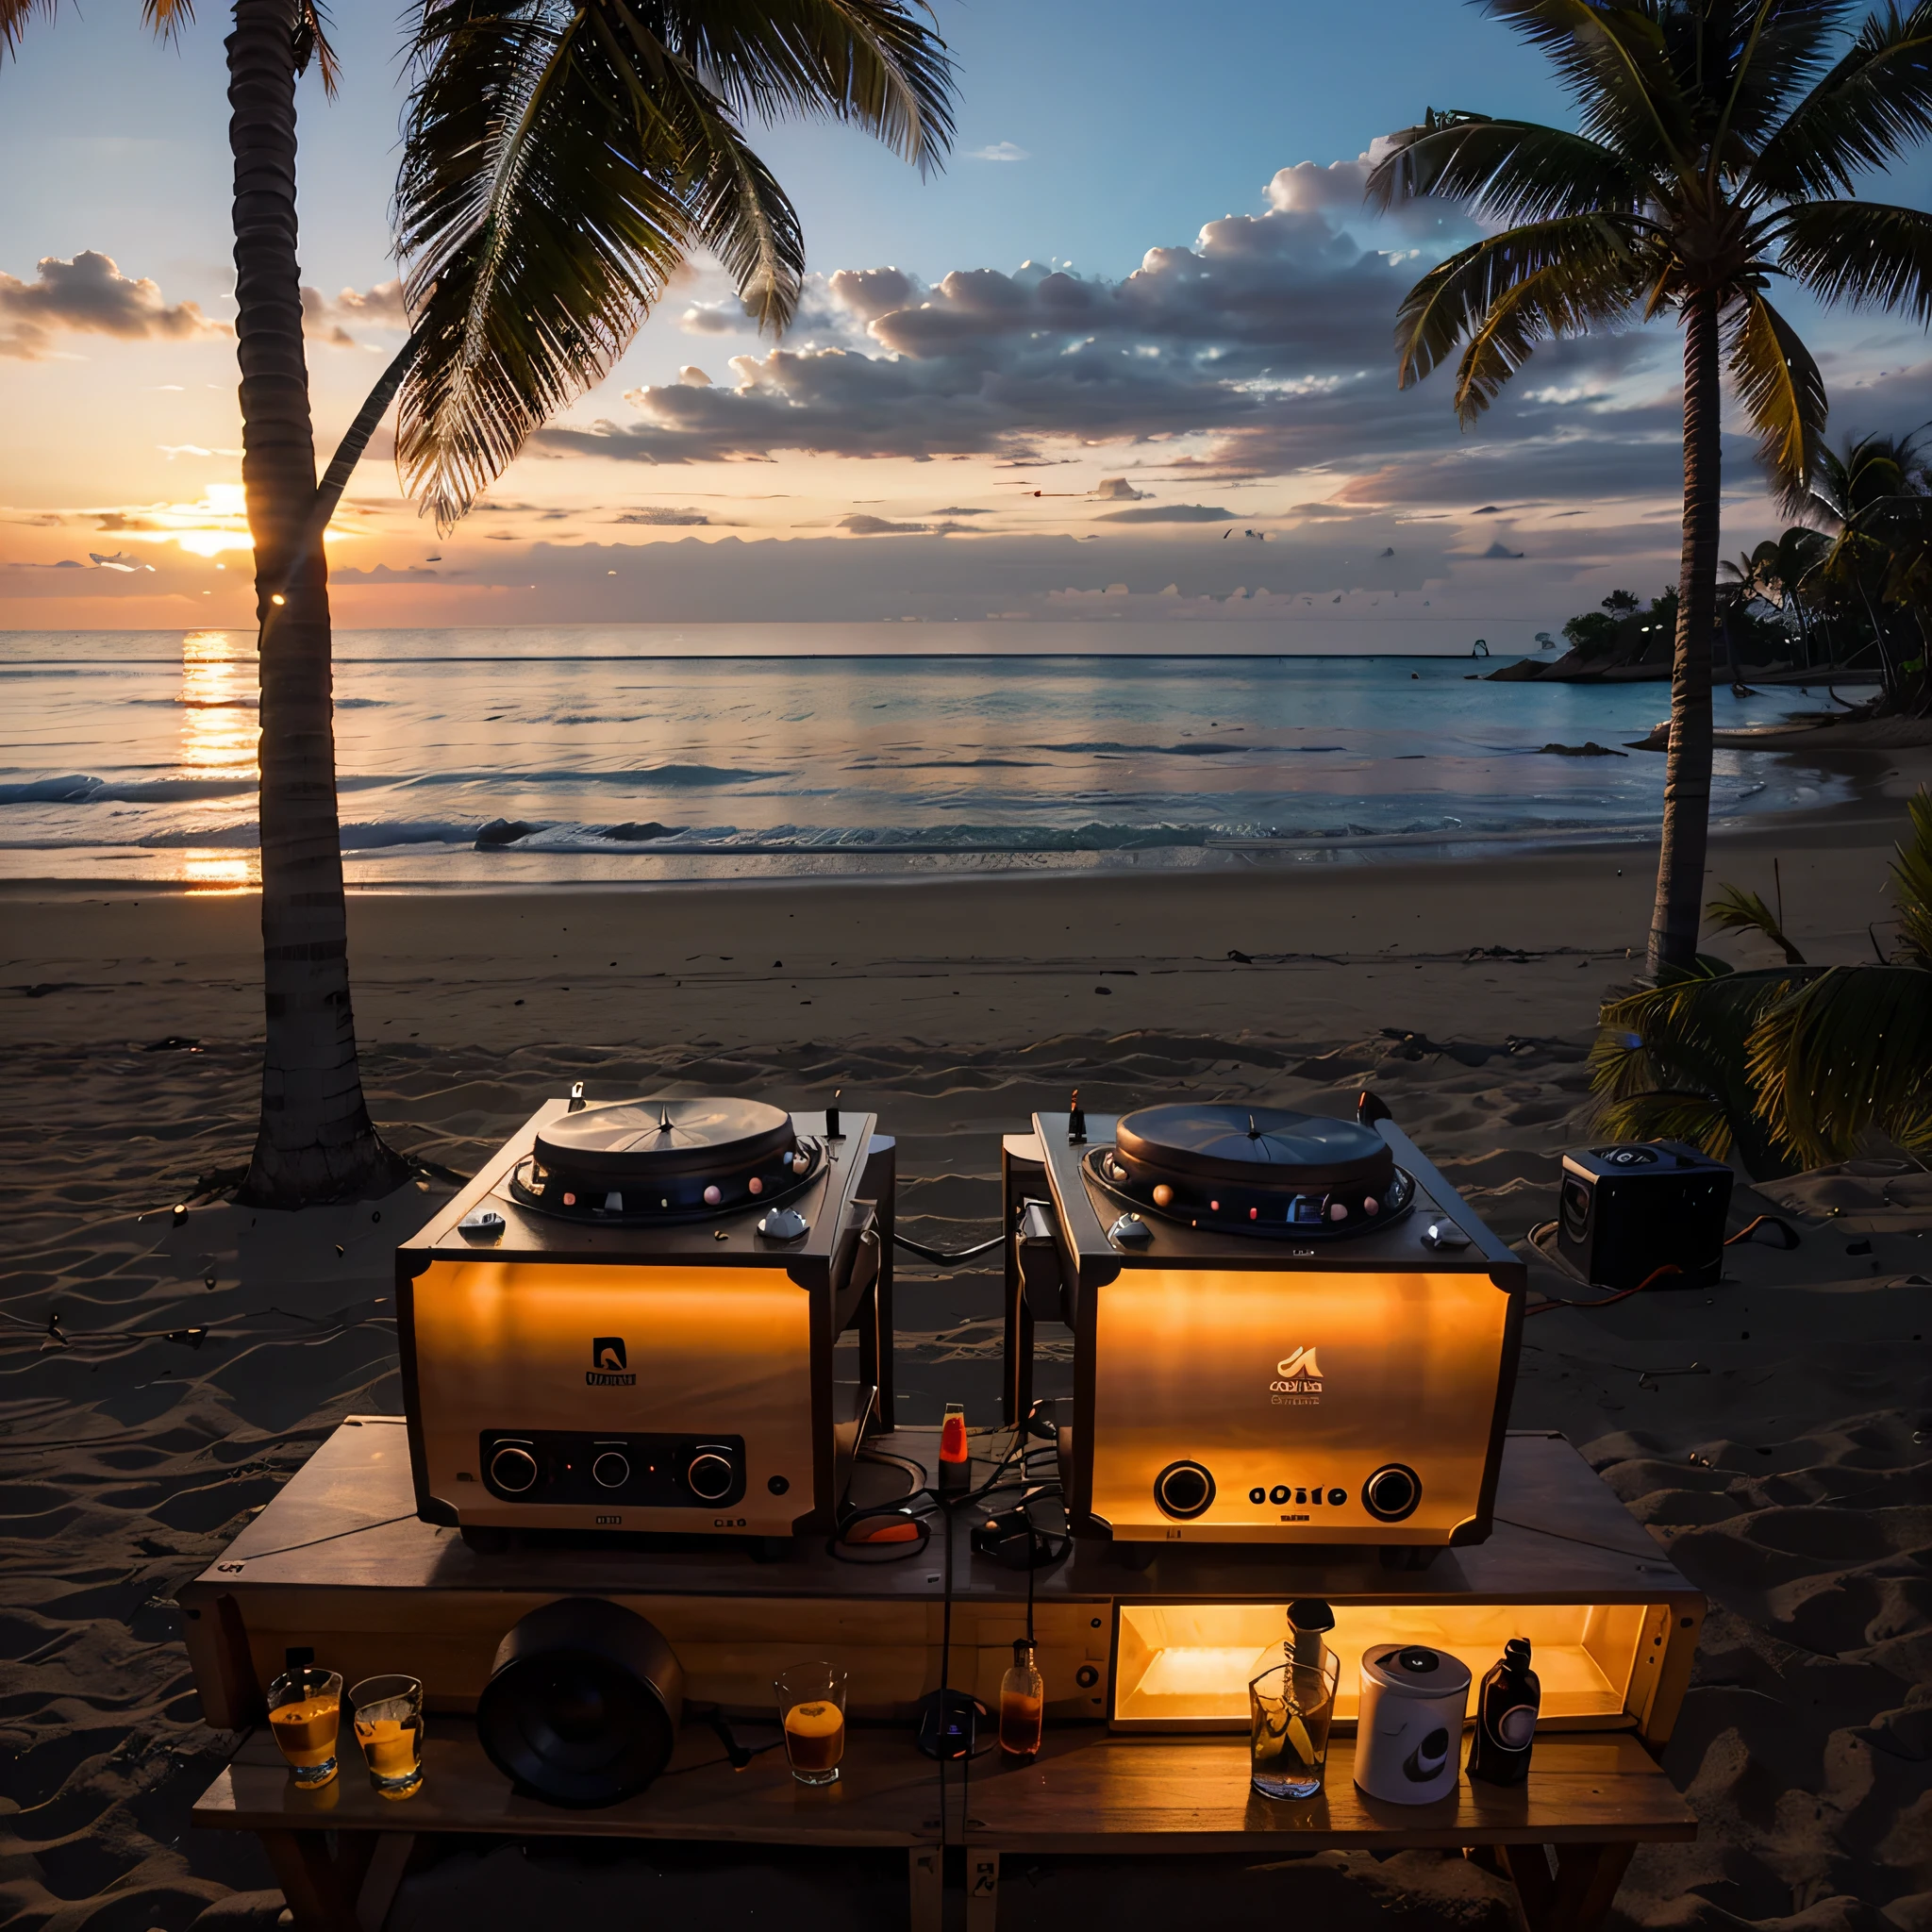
(1118, 489)
(119, 560)
(327, 321)
(1501, 550)
(999, 151)
(860, 523)
(715, 319)
(662, 513)
(1172, 513)
(693, 378)
(90, 296)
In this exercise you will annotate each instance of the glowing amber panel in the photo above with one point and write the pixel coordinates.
(1293, 1379)
(1186, 1666)
(506, 1346)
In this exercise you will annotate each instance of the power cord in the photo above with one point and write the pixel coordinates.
(1747, 1232)
(943, 1257)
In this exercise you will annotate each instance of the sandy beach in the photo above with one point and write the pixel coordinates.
(1773, 1432)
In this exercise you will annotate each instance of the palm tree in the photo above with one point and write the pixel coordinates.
(1785, 1066)
(1719, 145)
(1870, 502)
(548, 221)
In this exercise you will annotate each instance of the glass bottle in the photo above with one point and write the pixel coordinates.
(1023, 1703)
(1506, 1714)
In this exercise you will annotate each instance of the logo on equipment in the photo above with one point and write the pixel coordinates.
(607, 1364)
(1298, 1380)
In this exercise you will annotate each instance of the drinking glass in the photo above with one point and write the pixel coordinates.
(811, 1706)
(388, 1727)
(305, 1710)
(1289, 1709)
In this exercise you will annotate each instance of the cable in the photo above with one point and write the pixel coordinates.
(1623, 1294)
(942, 1256)
(1784, 1228)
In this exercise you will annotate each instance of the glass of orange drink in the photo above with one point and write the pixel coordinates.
(811, 1706)
(305, 1710)
(388, 1727)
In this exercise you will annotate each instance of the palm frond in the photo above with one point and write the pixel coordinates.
(1779, 48)
(14, 15)
(1658, 1114)
(872, 63)
(1689, 1037)
(1875, 101)
(1571, 273)
(166, 18)
(1508, 170)
(540, 208)
(1861, 252)
(563, 159)
(1735, 910)
(312, 43)
(1911, 879)
(1849, 1049)
(1782, 392)
(1612, 61)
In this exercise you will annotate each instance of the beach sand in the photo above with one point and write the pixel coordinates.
(1773, 1431)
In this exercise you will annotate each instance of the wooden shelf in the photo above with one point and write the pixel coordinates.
(1089, 1792)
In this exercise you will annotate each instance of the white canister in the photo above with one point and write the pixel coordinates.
(1408, 1736)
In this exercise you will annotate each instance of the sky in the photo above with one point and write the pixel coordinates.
(1129, 357)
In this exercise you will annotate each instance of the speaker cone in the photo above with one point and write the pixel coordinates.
(582, 1706)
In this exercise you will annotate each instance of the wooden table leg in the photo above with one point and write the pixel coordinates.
(1587, 1881)
(982, 1890)
(1576, 1897)
(376, 1894)
(310, 1881)
(926, 1870)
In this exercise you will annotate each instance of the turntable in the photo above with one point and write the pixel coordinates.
(628, 1322)
(1288, 1328)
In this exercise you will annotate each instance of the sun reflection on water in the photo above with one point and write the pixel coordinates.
(218, 741)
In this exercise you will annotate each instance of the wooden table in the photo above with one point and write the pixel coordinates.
(1564, 1838)
(339, 1562)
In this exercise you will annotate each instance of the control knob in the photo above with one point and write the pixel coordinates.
(1184, 1489)
(513, 1469)
(709, 1475)
(611, 1470)
(1392, 1493)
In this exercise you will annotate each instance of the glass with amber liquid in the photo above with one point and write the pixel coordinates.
(1023, 1702)
(388, 1727)
(812, 1707)
(304, 1711)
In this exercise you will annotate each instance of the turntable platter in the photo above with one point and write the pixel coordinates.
(1262, 1171)
(1252, 1147)
(648, 1141)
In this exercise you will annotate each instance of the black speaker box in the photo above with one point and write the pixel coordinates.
(1629, 1208)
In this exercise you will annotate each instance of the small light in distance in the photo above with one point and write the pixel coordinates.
(278, 598)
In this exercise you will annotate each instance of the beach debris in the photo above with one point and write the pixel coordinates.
(55, 1338)
(179, 1215)
(1108, 990)
(1590, 748)
(1416, 1046)
(175, 1042)
(189, 1338)
(500, 832)
(1240, 959)
(41, 989)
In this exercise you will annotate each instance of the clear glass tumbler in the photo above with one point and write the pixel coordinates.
(304, 1711)
(388, 1727)
(811, 1706)
(1289, 1709)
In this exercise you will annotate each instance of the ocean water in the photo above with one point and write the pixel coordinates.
(639, 754)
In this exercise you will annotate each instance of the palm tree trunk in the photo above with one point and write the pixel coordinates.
(315, 1142)
(1679, 908)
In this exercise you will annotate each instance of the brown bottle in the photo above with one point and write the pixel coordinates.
(1505, 1713)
